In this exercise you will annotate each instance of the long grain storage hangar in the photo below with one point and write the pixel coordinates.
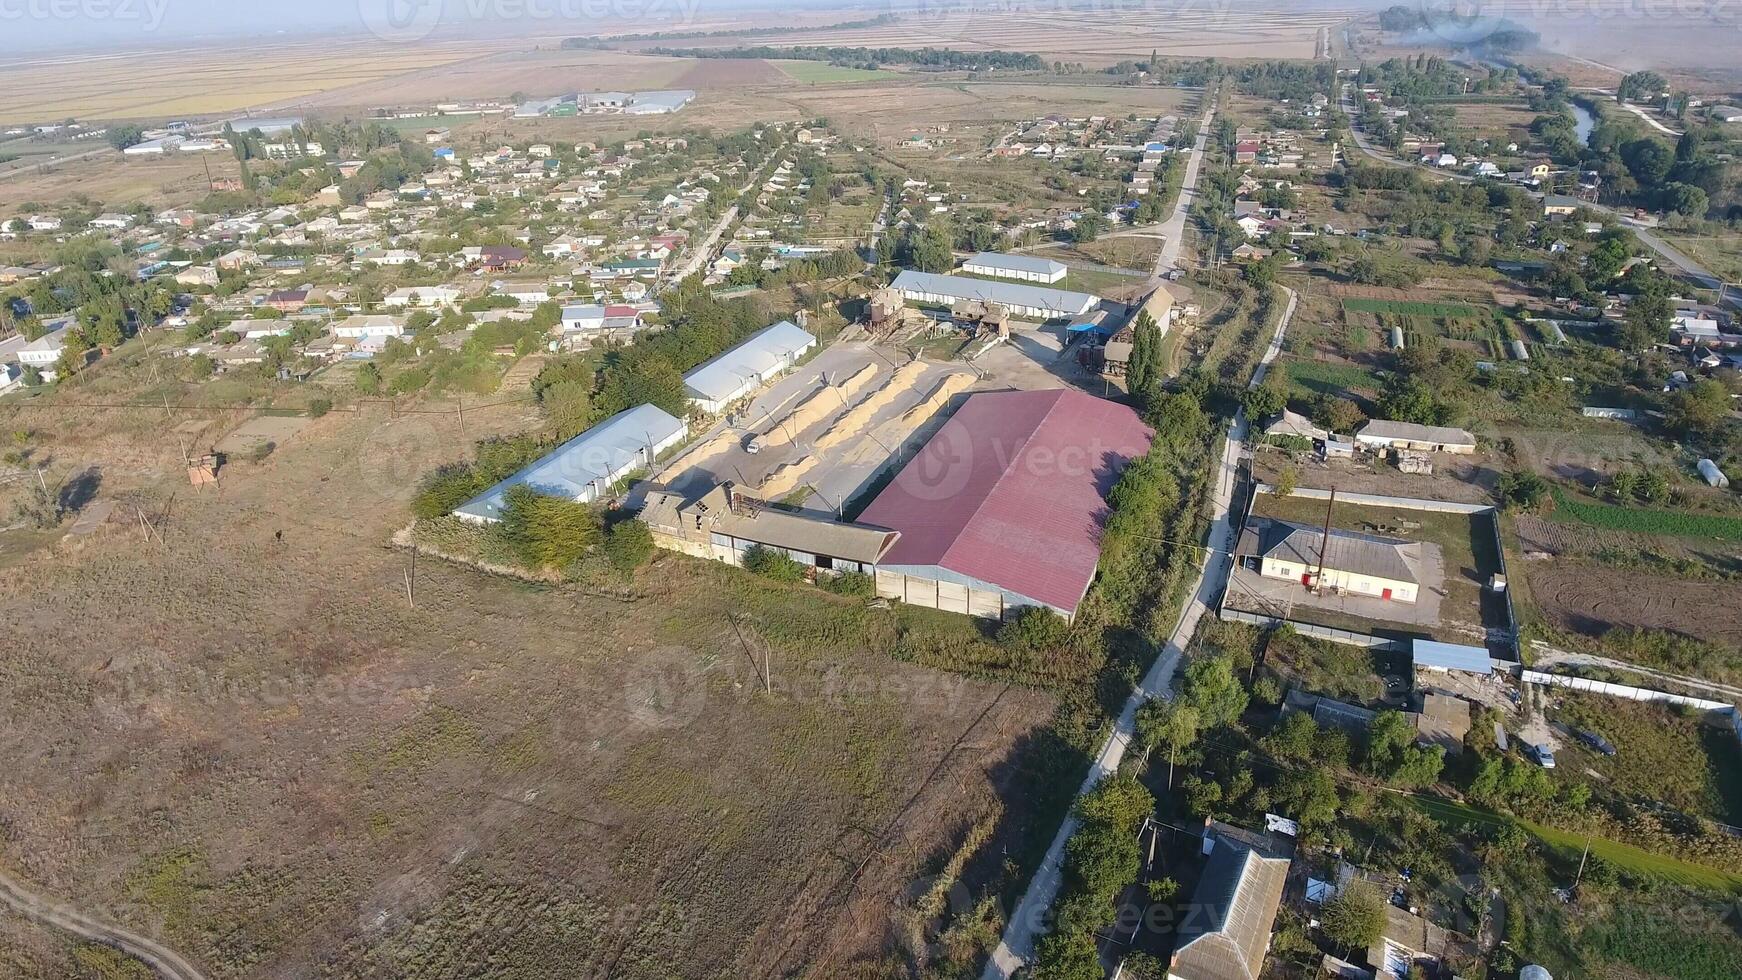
(584, 468)
(1021, 299)
(744, 368)
(1004, 507)
(1027, 268)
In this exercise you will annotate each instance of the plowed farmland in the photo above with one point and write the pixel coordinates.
(1591, 600)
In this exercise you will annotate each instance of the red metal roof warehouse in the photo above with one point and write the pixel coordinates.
(1010, 495)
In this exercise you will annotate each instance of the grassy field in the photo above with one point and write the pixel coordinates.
(1408, 308)
(1624, 856)
(821, 72)
(284, 769)
(1307, 378)
(1663, 755)
(1645, 521)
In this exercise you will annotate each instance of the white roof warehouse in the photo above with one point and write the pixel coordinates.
(1033, 302)
(739, 371)
(1024, 267)
(585, 467)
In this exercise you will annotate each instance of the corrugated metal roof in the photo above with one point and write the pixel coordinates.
(1235, 903)
(1452, 656)
(1064, 301)
(1012, 492)
(600, 453)
(1016, 263)
(1411, 432)
(721, 377)
(1345, 551)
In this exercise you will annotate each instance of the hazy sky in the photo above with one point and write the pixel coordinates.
(62, 24)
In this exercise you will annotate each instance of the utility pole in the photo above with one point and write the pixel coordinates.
(1324, 544)
(411, 579)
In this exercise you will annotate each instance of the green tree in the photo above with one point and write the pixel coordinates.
(569, 407)
(1355, 919)
(1522, 489)
(1409, 399)
(1169, 725)
(770, 563)
(629, 545)
(1211, 687)
(1034, 628)
(1701, 409)
(548, 532)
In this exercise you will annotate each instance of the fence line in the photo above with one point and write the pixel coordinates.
(1377, 500)
(1630, 692)
(1330, 633)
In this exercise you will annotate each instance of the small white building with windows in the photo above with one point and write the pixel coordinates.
(425, 296)
(1360, 564)
(369, 325)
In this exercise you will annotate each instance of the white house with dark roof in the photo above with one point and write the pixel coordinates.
(1362, 564)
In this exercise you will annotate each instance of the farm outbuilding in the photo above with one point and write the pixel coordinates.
(584, 468)
(1027, 268)
(1362, 564)
(1003, 508)
(744, 368)
(724, 524)
(1021, 299)
(1386, 434)
(1444, 657)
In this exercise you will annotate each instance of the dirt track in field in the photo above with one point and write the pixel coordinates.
(1592, 600)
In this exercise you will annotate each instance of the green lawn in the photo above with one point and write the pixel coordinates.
(1314, 377)
(1625, 856)
(1409, 308)
(1639, 520)
(821, 71)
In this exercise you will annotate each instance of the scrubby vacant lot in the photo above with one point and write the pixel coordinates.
(258, 750)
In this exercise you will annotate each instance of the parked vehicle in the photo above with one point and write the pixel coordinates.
(1541, 755)
(1596, 741)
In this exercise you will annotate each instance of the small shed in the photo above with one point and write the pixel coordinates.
(1445, 657)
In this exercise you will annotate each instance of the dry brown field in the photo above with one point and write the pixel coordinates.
(257, 750)
(1094, 38)
(108, 177)
(1591, 600)
(206, 80)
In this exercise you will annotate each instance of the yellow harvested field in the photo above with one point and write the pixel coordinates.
(204, 81)
(1096, 37)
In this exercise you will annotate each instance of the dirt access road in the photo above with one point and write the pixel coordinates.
(1017, 946)
(164, 961)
